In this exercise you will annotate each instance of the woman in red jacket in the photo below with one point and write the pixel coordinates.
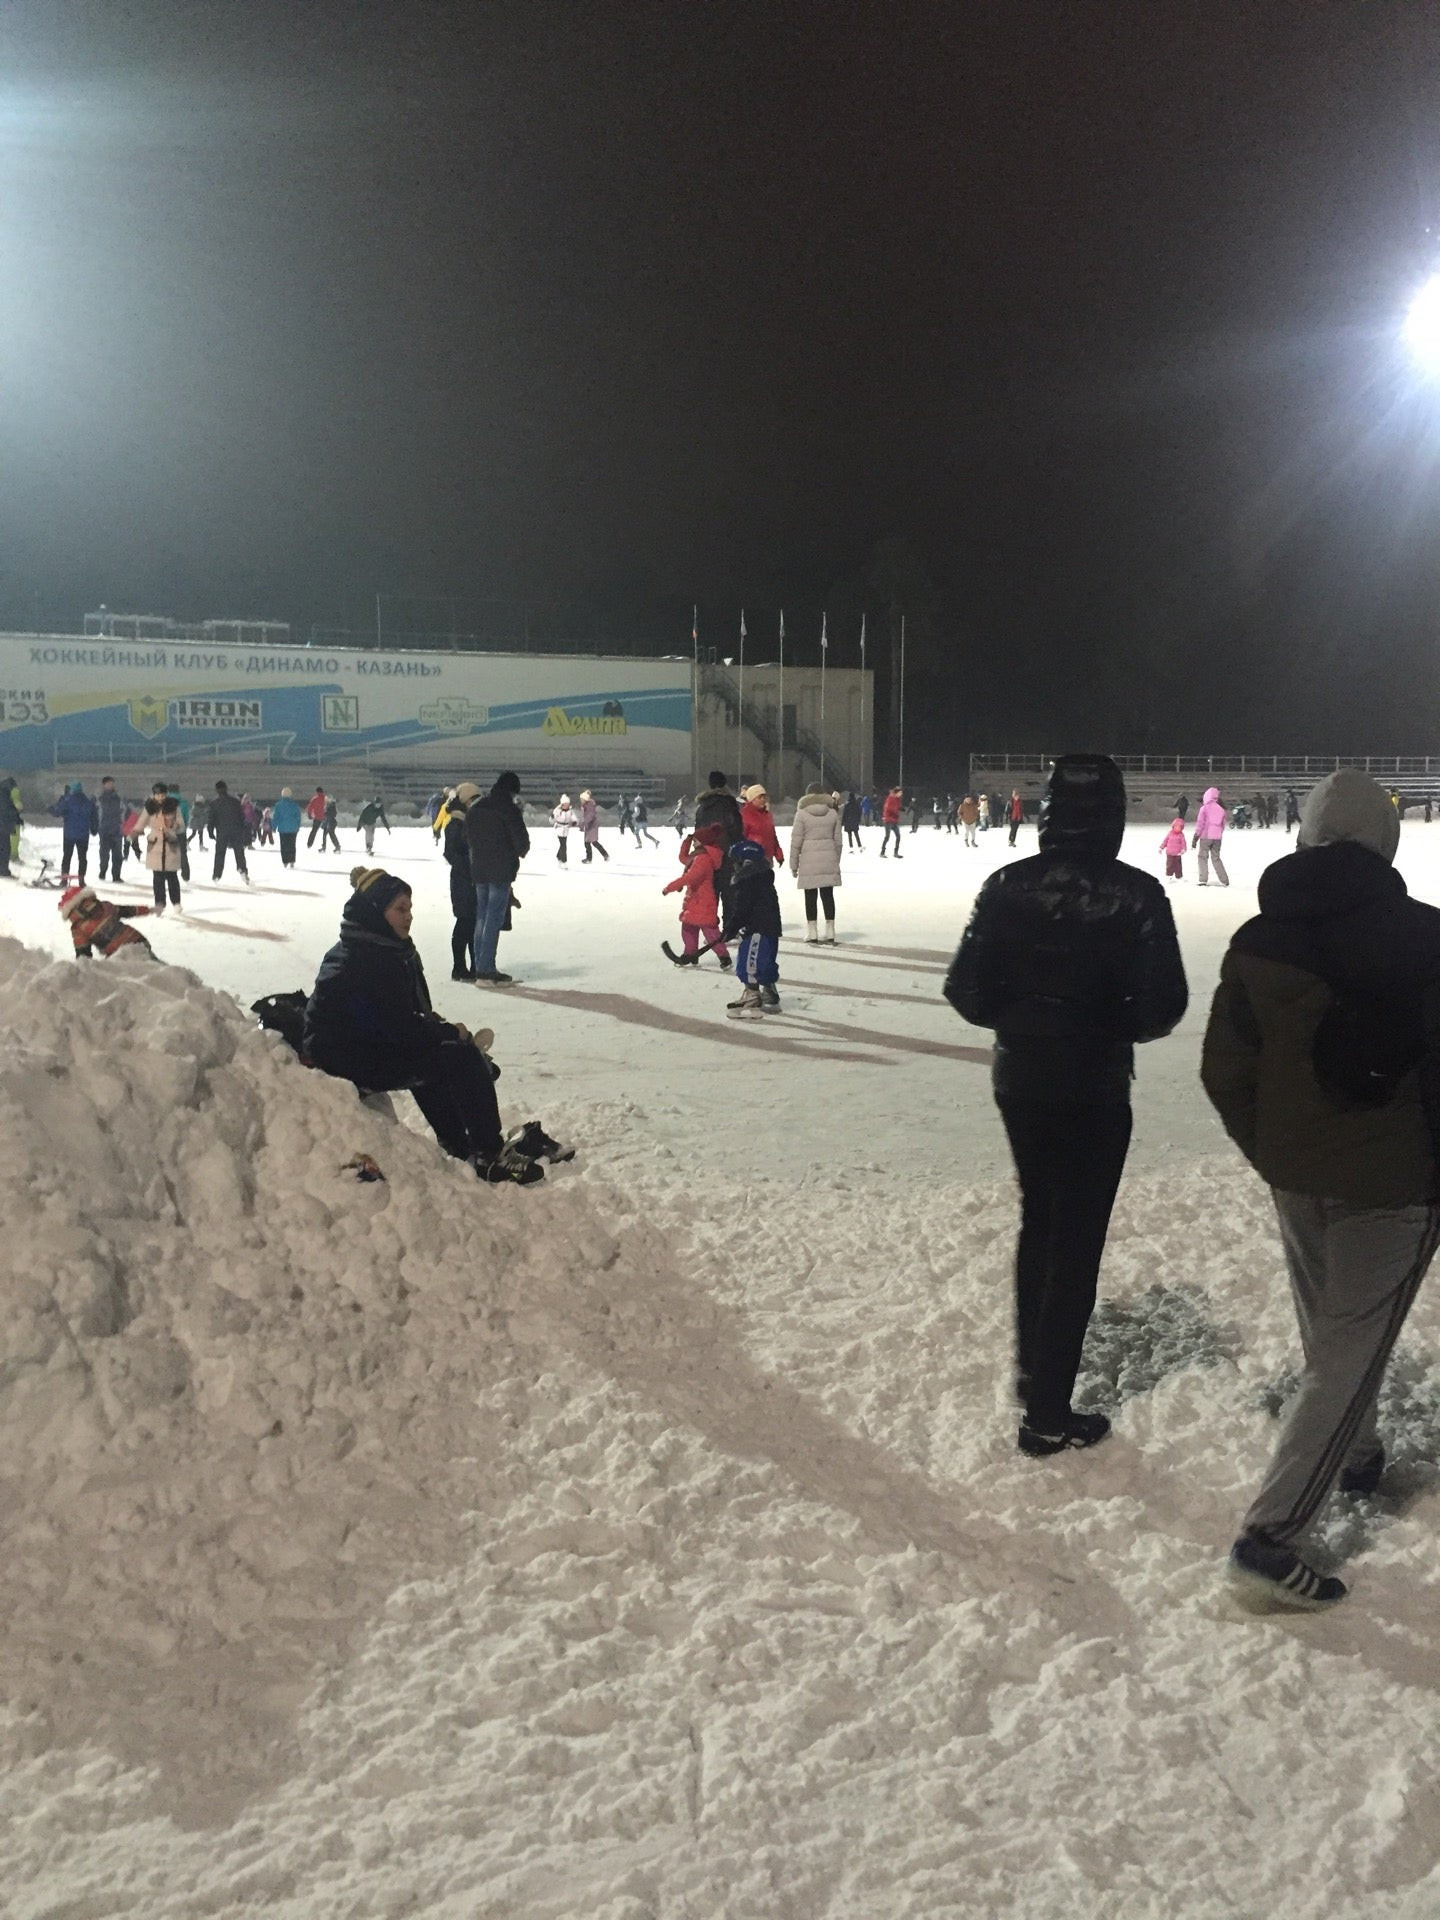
(890, 820)
(759, 822)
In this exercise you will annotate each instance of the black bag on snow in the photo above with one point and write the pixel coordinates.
(283, 1013)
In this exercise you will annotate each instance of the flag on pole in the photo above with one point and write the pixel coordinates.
(742, 623)
(824, 643)
(695, 624)
(862, 640)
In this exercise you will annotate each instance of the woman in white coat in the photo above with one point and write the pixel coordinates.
(563, 817)
(815, 844)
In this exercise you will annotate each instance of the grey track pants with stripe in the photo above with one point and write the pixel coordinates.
(1354, 1272)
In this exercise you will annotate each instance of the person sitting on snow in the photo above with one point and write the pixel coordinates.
(97, 926)
(369, 1020)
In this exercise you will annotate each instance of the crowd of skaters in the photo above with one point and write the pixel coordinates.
(1321, 1053)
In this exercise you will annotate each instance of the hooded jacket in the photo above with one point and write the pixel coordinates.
(816, 842)
(369, 1017)
(497, 836)
(751, 904)
(1174, 841)
(717, 806)
(702, 857)
(1322, 1052)
(1210, 820)
(79, 816)
(1071, 955)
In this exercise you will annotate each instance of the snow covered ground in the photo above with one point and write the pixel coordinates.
(653, 1545)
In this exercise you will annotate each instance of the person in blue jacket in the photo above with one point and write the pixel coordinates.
(79, 817)
(285, 817)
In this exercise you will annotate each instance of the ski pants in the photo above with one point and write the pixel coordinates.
(222, 847)
(1069, 1160)
(112, 855)
(757, 963)
(1174, 866)
(1354, 1272)
(492, 901)
(76, 849)
(891, 826)
(693, 938)
(1210, 850)
(456, 1094)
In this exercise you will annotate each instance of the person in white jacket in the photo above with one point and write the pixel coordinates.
(563, 817)
(815, 846)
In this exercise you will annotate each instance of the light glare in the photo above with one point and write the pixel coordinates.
(1421, 332)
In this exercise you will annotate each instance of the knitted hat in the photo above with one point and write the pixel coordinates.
(286, 794)
(377, 887)
(74, 898)
(467, 791)
(1348, 805)
(507, 783)
(754, 794)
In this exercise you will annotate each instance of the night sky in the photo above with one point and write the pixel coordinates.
(1070, 328)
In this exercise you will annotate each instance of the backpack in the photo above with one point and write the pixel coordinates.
(284, 1013)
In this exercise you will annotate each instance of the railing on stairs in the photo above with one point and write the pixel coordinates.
(759, 722)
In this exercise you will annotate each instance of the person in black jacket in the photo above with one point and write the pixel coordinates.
(10, 821)
(1071, 957)
(462, 886)
(369, 1020)
(227, 828)
(498, 842)
(717, 806)
(752, 909)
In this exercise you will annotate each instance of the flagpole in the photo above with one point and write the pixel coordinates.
(783, 775)
(740, 742)
(902, 700)
(862, 704)
(695, 716)
(824, 649)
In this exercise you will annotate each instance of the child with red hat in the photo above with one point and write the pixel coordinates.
(98, 926)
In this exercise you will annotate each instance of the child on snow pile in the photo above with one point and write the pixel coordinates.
(97, 926)
(700, 911)
(753, 911)
(1173, 848)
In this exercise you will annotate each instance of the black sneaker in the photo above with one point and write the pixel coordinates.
(458, 973)
(533, 1143)
(508, 1168)
(1039, 1438)
(1270, 1577)
(495, 979)
(1366, 1477)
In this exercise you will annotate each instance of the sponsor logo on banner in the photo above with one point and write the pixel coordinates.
(557, 720)
(149, 715)
(454, 714)
(340, 713)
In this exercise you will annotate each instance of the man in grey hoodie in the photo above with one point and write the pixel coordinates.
(1322, 1058)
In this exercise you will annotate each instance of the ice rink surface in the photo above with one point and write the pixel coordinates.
(653, 1545)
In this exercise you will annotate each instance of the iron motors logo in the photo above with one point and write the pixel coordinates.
(150, 715)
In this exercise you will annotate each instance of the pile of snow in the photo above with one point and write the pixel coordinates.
(652, 1545)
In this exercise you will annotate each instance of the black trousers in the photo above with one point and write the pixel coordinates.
(166, 882)
(826, 896)
(1069, 1160)
(79, 850)
(112, 853)
(287, 849)
(462, 943)
(456, 1094)
(222, 847)
(1014, 829)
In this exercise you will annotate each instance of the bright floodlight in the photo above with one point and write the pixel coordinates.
(1422, 326)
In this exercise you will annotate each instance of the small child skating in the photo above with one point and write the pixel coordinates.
(97, 927)
(563, 818)
(700, 910)
(752, 910)
(1173, 848)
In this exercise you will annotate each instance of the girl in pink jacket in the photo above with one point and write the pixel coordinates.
(1209, 825)
(1173, 848)
(700, 909)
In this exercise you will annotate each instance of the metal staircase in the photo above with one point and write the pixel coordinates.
(759, 722)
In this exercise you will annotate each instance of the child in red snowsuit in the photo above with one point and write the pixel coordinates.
(700, 909)
(97, 926)
(1173, 846)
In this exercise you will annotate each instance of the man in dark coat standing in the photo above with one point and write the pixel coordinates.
(227, 827)
(1071, 957)
(498, 841)
(462, 885)
(717, 806)
(1322, 1058)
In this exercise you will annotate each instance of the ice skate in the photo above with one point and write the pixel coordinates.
(770, 1000)
(748, 1007)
